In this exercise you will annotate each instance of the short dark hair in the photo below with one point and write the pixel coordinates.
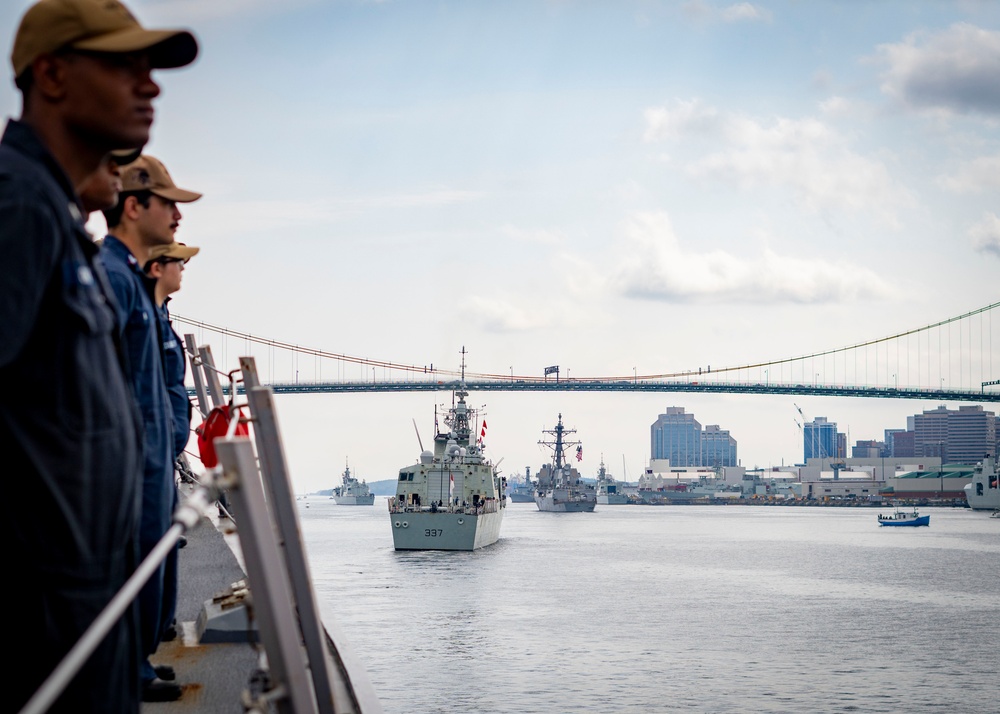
(114, 215)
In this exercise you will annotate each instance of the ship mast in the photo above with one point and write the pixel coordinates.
(559, 445)
(458, 417)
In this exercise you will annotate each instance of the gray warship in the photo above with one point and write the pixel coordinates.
(609, 491)
(522, 491)
(559, 487)
(352, 492)
(454, 498)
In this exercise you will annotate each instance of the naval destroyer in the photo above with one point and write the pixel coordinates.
(454, 498)
(559, 487)
(352, 492)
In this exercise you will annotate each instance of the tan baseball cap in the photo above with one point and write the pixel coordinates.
(174, 250)
(149, 174)
(97, 26)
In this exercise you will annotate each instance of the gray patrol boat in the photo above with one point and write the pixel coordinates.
(559, 486)
(454, 499)
(352, 492)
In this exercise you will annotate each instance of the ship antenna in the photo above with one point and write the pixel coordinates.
(418, 433)
(463, 364)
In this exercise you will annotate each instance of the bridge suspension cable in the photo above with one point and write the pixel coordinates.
(838, 350)
(801, 359)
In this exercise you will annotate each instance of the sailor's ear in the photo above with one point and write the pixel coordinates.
(49, 76)
(130, 207)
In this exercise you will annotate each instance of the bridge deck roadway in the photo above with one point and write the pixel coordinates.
(574, 385)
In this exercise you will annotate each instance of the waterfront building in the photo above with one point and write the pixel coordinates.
(869, 449)
(960, 436)
(879, 469)
(718, 447)
(677, 437)
(899, 442)
(819, 439)
(876, 478)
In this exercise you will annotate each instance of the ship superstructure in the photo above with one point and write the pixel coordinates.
(559, 487)
(609, 491)
(352, 492)
(522, 491)
(454, 498)
(983, 492)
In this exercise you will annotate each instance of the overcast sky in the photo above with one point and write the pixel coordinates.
(613, 187)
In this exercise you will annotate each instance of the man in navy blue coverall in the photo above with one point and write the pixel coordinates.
(145, 217)
(68, 424)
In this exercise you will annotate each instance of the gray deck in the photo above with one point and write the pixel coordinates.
(213, 675)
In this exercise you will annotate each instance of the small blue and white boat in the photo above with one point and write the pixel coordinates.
(902, 518)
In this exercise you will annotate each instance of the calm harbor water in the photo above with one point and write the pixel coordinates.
(671, 608)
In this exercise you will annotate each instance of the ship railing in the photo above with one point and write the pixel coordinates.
(488, 506)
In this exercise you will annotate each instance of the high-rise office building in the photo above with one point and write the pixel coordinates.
(718, 447)
(819, 439)
(959, 436)
(676, 436)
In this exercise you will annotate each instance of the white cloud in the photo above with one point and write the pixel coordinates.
(495, 315)
(684, 118)
(955, 70)
(656, 267)
(805, 156)
(737, 12)
(986, 234)
(982, 174)
(744, 11)
(841, 107)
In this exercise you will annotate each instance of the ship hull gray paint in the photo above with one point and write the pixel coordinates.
(550, 504)
(613, 499)
(444, 531)
(354, 500)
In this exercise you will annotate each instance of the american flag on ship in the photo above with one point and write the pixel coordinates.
(579, 453)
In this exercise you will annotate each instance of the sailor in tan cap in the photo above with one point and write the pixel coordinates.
(166, 266)
(67, 430)
(146, 218)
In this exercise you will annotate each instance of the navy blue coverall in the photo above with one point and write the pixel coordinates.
(69, 439)
(138, 326)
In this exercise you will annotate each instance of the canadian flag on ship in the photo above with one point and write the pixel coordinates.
(482, 432)
(451, 484)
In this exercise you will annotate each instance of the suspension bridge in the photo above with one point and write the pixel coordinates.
(956, 359)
